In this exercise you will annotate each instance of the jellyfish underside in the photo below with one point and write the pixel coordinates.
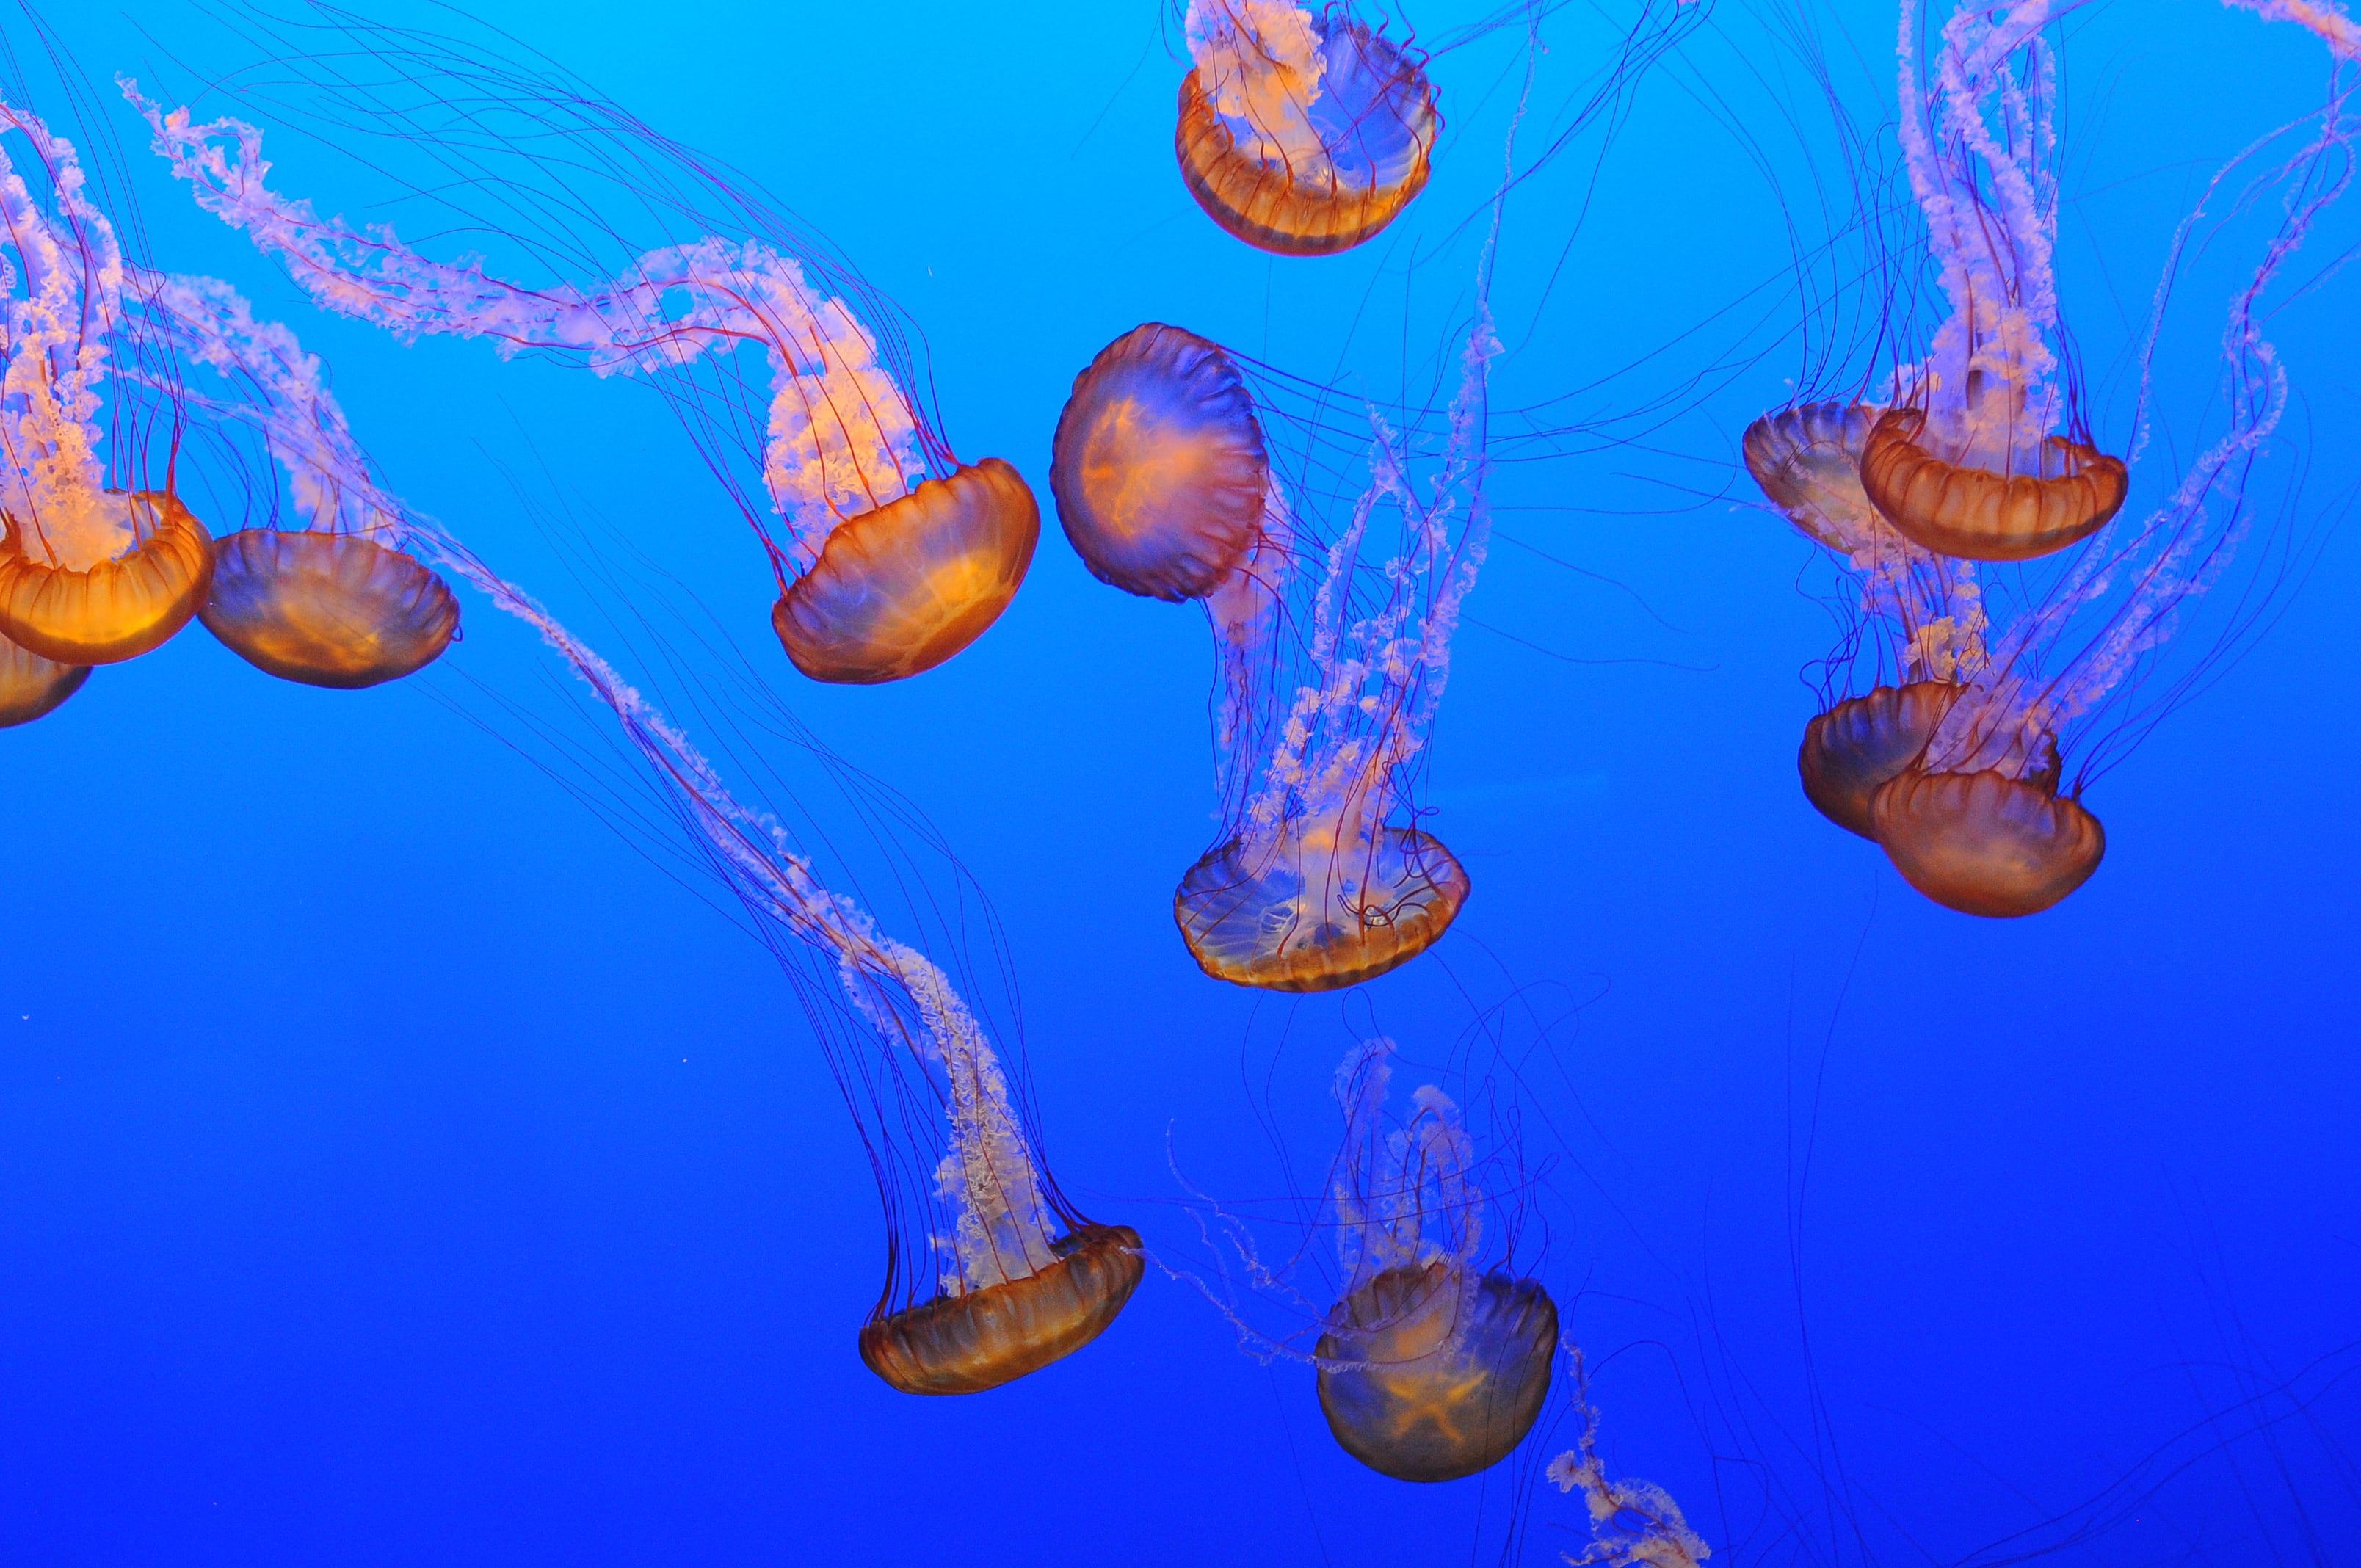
(1958, 509)
(1307, 913)
(905, 586)
(111, 608)
(1375, 121)
(1453, 1371)
(1856, 746)
(1159, 465)
(1987, 843)
(1807, 461)
(981, 1339)
(328, 609)
(31, 686)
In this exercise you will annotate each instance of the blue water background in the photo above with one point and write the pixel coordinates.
(397, 1166)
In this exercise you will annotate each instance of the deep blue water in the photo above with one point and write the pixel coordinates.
(398, 1165)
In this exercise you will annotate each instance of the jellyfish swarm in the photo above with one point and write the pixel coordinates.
(1967, 462)
(1953, 761)
(1430, 1367)
(992, 1273)
(1301, 132)
(1328, 683)
(893, 555)
(99, 560)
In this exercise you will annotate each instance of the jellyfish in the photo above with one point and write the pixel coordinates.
(1969, 460)
(1303, 133)
(1806, 460)
(100, 562)
(1430, 1368)
(1632, 1523)
(1955, 767)
(1159, 468)
(1007, 1276)
(891, 556)
(1164, 484)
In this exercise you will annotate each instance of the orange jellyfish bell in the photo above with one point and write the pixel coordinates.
(981, 1339)
(1807, 461)
(1442, 1374)
(902, 587)
(1303, 146)
(328, 609)
(1304, 912)
(111, 610)
(1158, 466)
(1853, 747)
(31, 686)
(1985, 843)
(1976, 514)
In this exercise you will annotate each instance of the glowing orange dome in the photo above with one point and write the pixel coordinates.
(1857, 745)
(1984, 843)
(1976, 515)
(1376, 125)
(964, 1344)
(328, 609)
(116, 609)
(901, 588)
(1297, 915)
(1457, 1369)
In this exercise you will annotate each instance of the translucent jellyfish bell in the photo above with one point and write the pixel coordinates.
(903, 587)
(31, 686)
(1957, 499)
(328, 609)
(1987, 842)
(1312, 908)
(1430, 1369)
(1807, 461)
(1159, 465)
(1301, 132)
(1850, 751)
(981, 1339)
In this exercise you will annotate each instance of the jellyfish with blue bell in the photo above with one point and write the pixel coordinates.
(993, 1274)
(890, 554)
(1333, 636)
(1301, 132)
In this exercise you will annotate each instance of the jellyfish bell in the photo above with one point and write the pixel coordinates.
(111, 578)
(1430, 1374)
(1302, 133)
(1297, 913)
(32, 686)
(902, 587)
(2065, 491)
(1855, 747)
(1986, 843)
(1806, 459)
(1159, 465)
(326, 609)
(981, 1339)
